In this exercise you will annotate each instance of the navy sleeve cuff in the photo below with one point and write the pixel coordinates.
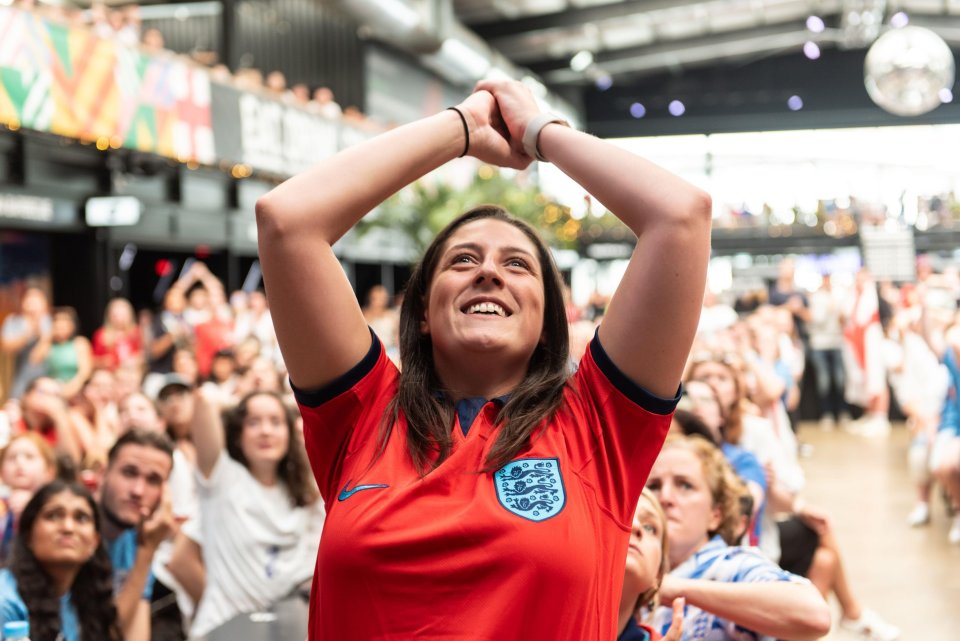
(336, 387)
(631, 390)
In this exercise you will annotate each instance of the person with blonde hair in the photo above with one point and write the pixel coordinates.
(731, 592)
(26, 463)
(647, 563)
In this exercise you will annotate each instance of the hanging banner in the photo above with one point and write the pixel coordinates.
(67, 81)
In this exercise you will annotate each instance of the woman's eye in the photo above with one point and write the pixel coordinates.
(518, 262)
(653, 486)
(463, 258)
(651, 529)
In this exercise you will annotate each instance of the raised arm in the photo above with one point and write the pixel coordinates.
(652, 318)
(320, 328)
(206, 428)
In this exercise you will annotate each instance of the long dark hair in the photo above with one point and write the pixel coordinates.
(92, 589)
(429, 415)
(293, 469)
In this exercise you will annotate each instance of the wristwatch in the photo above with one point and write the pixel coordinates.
(532, 133)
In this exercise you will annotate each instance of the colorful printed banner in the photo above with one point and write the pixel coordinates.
(69, 82)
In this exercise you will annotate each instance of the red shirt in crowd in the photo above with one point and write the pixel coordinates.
(122, 349)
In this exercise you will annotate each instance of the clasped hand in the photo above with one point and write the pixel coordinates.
(497, 114)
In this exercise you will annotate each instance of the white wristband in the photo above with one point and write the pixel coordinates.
(531, 135)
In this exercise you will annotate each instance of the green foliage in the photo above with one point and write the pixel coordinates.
(421, 210)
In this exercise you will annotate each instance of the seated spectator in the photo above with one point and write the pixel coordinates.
(301, 94)
(223, 378)
(215, 333)
(58, 578)
(794, 534)
(700, 496)
(706, 409)
(647, 563)
(26, 464)
(136, 410)
(44, 411)
(260, 512)
(68, 356)
(95, 418)
(185, 365)
(20, 336)
(324, 104)
(383, 319)
(945, 457)
(276, 84)
(261, 376)
(170, 331)
(118, 341)
(135, 522)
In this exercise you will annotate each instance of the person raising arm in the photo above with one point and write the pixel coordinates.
(482, 463)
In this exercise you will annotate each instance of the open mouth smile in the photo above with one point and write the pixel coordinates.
(486, 308)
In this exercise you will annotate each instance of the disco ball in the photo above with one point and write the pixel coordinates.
(906, 69)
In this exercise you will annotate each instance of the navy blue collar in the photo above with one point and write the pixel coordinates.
(469, 408)
(633, 632)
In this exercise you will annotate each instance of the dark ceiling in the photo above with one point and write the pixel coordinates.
(733, 63)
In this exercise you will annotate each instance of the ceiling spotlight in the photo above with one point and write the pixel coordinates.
(899, 20)
(795, 103)
(945, 95)
(811, 50)
(581, 60)
(603, 82)
(637, 110)
(676, 108)
(815, 24)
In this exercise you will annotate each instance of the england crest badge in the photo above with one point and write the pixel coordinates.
(531, 488)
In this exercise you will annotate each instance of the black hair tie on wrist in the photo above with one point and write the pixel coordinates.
(466, 132)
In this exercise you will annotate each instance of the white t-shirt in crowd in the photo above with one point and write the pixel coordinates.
(257, 546)
(779, 448)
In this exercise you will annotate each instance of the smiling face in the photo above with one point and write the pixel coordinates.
(487, 292)
(265, 435)
(65, 531)
(678, 481)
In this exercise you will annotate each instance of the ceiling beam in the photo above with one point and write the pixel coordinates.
(744, 43)
(763, 39)
(574, 17)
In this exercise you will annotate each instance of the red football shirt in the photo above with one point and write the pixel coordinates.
(533, 551)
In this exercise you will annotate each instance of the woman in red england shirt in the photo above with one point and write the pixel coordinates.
(484, 492)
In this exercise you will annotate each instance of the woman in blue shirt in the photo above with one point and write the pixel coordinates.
(730, 592)
(59, 577)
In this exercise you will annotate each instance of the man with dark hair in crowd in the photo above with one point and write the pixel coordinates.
(137, 518)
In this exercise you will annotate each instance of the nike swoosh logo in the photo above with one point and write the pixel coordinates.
(346, 493)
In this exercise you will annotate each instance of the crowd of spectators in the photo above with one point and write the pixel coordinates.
(124, 25)
(198, 389)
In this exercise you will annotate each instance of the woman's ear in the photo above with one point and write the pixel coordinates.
(425, 321)
(716, 518)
